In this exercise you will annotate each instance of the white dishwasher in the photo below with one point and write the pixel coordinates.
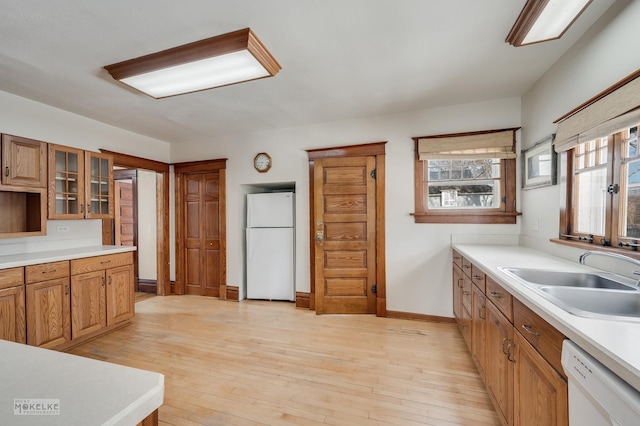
(597, 397)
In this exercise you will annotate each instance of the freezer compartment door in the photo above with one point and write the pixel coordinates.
(270, 264)
(270, 210)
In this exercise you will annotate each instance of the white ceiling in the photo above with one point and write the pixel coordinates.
(341, 59)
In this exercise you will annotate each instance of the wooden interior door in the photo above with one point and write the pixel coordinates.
(203, 238)
(124, 217)
(345, 235)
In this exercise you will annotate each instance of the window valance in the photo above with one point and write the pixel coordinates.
(613, 110)
(483, 144)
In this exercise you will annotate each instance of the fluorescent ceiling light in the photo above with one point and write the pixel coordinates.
(218, 61)
(542, 20)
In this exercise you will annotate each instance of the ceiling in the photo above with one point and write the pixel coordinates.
(341, 59)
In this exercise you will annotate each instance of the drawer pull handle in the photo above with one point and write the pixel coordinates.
(481, 312)
(105, 262)
(509, 346)
(495, 294)
(477, 277)
(459, 280)
(528, 329)
(49, 271)
(466, 293)
(466, 266)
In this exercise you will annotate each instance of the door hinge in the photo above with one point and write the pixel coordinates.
(504, 200)
(374, 289)
(373, 173)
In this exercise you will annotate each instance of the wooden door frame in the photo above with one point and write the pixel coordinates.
(376, 149)
(180, 170)
(163, 286)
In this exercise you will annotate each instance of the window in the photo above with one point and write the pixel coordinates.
(605, 189)
(466, 178)
(600, 165)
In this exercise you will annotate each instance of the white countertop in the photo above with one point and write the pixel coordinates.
(616, 344)
(26, 259)
(89, 392)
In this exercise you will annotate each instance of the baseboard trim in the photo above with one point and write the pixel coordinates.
(420, 317)
(302, 300)
(148, 286)
(233, 293)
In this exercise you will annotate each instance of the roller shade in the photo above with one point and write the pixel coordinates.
(486, 144)
(616, 111)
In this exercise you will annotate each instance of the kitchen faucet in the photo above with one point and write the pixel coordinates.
(631, 260)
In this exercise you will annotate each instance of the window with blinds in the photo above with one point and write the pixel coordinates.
(466, 178)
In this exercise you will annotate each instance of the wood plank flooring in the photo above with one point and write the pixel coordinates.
(268, 363)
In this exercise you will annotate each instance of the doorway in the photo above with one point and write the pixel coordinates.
(348, 273)
(156, 174)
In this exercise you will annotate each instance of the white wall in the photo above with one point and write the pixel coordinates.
(147, 229)
(418, 255)
(605, 55)
(23, 117)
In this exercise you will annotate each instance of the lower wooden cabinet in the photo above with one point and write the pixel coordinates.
(55, 305)
(88, 304)
(540, 393)
(48, 313)
(12, 310)
(12, 314)
(120, 294)
(499, 368)
(517, 353)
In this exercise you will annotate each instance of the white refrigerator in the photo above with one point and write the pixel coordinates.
(270, 246)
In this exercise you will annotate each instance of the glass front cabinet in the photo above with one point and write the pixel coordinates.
(80, 184)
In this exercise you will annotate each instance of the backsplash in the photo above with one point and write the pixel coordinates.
(61, 234)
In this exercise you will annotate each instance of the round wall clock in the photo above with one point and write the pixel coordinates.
(262, 162)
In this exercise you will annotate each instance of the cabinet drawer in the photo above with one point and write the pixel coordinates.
(46, 271)
(542, 335)
(457, 259)
(500, 297)
(478, 277)
(98, 263)
(11, 277)
(466, 266)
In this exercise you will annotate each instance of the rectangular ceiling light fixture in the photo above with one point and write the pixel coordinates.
(217, 61)
(542, 20)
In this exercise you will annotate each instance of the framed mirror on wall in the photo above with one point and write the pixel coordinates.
(539, 164)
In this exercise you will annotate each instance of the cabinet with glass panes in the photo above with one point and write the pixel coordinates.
(80, 184)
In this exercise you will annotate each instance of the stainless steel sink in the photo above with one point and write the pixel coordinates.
(609, 304)
(571, 279)
(588, 294)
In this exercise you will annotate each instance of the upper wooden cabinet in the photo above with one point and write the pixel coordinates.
(99, 185)
(80, 184)
(24, 162)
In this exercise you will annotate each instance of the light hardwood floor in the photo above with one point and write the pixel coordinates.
(252, 363)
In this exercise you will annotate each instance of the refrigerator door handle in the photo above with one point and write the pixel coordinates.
(248, 243)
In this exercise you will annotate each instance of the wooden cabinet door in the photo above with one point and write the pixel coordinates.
(24, 162)
(478, 329)
(88, 306)
(12, 316)
(499, 368)
(457, 292)
(48, 313)
(120, 294)
(99, 186)
(540, 393)
(66, 183)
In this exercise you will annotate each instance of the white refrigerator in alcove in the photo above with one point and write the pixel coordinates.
(271, 246)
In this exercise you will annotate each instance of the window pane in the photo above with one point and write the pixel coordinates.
(631, 211)
(591, 199)
(473, 184)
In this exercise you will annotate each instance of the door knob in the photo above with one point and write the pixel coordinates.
(319, 236)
